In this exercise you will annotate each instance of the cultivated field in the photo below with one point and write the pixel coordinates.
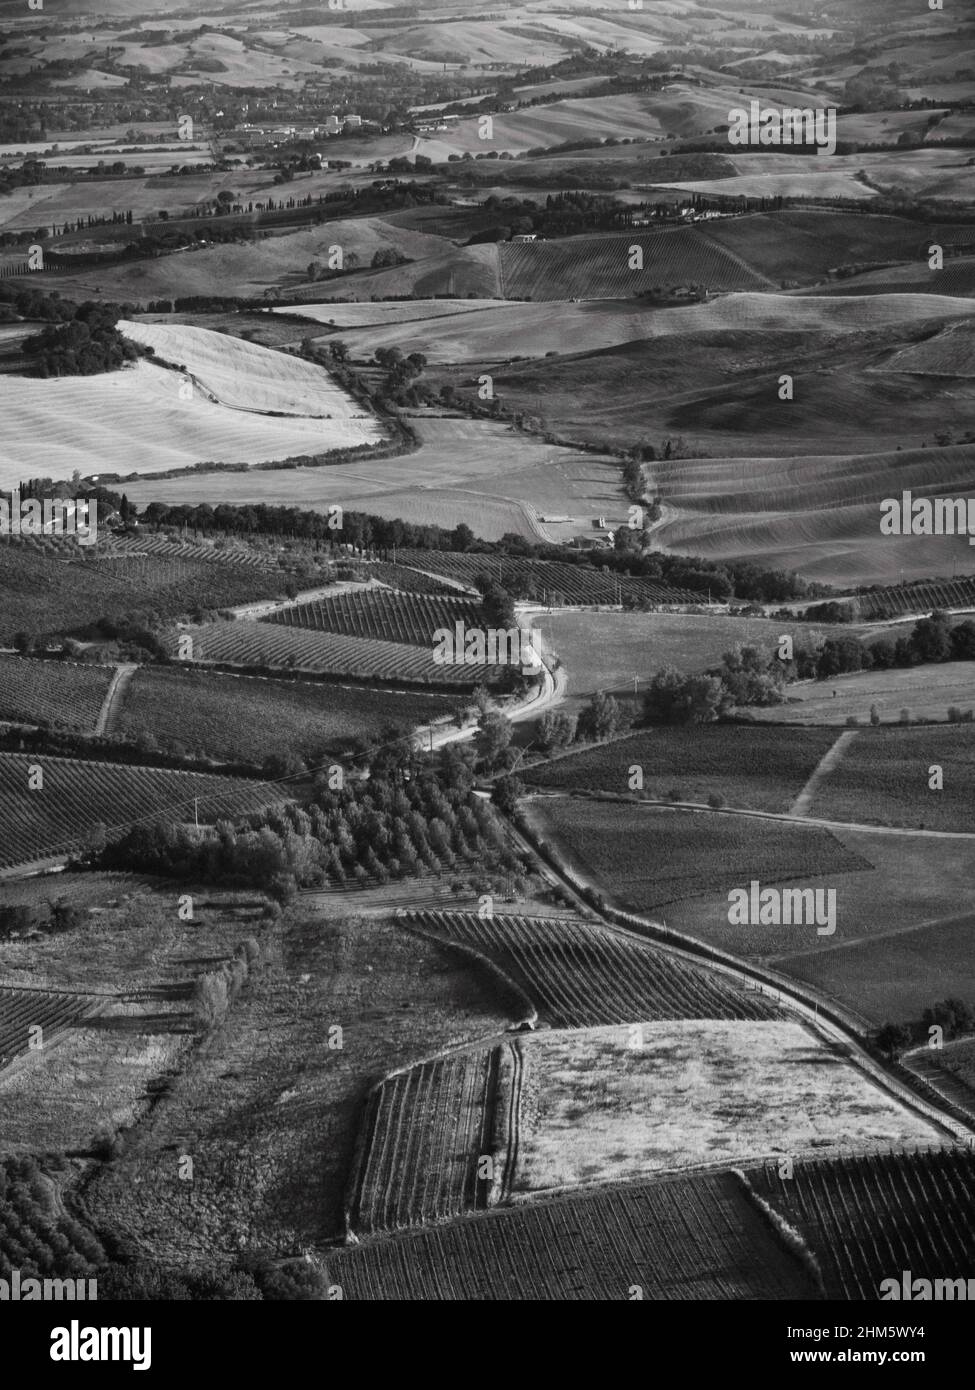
(819, 514)
(647, 858)
(428, 1128)
(599, 267)
(60, 813)
(884, 776)
(546, 581)
(579, 974)
(247, 377)
(479, 472)
(406, 618)
(490, 333)
(919, 598)
(684, 1239)
(47, 589)
(241, 718)
(903, 925)
(869, 1218)
(136, 421)
(62, 694)
(30, 1019)
(612, 1104)
(270, 645)
(758, 769)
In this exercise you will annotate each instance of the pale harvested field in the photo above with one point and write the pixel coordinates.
(254, 378)
(493, 331)
(814, 182)
(614, 1104)
(578, 118)
(29, 207)
(133, 420)
(926, 691)
(475, 471)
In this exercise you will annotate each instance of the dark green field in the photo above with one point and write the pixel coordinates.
(883, 779)
(757, 768)
(645, 858)
(246, 718)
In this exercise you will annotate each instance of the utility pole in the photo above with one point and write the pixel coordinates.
(196, 811)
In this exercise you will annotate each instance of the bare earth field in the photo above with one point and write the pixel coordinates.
(615, 1103)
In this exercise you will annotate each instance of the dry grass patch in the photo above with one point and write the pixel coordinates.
(614, 1104)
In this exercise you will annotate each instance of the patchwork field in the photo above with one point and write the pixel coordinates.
(280, 1124)
(136, 421)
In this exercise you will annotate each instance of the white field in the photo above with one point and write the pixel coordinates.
(477, 471)
(249, 377)
(616, 1103)
(133, 421)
